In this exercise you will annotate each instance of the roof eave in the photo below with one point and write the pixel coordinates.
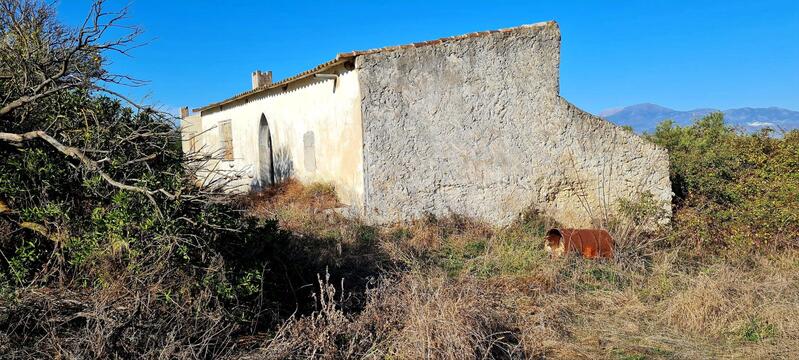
(340, 59)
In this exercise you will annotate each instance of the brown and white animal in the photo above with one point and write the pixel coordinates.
(590, 243)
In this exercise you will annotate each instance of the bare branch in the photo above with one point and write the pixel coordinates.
(39, 57)
(22, 101)
(88, 163)
(146, 158)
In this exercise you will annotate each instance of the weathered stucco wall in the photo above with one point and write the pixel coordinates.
(477, 127)
(316, 133)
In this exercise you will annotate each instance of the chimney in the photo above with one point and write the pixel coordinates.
(184, 112)
(261, 79)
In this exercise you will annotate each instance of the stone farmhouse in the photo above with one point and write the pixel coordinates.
(471, 124)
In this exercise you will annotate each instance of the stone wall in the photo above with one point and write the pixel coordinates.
(477, 127)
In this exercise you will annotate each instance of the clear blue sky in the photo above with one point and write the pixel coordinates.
(680, 54)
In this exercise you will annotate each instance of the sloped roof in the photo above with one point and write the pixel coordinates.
(343, 57)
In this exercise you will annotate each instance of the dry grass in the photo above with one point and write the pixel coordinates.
(459, 288)
(113, 322)
(299, 208)
(447, 319)
(677, 310)
(412, 316)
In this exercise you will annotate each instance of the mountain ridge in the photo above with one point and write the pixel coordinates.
(644, 117)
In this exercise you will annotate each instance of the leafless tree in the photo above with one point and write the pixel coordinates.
(40, 57)
(59, 109)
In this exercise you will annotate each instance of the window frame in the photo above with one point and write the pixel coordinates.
(191, 142)
(226, 145)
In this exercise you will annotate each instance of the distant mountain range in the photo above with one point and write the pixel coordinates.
(644, 117)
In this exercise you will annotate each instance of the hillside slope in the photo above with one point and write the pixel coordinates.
(644, 117)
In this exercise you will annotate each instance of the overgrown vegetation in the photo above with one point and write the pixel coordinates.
(459, 288)
(110, 251)
(736, 193)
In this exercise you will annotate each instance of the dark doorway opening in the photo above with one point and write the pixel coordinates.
(266, 171)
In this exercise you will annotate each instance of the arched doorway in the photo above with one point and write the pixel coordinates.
(266, 171)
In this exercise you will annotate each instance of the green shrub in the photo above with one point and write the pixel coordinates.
(735, 192)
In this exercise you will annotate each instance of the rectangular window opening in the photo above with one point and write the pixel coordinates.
(226, 140)
(191, 139)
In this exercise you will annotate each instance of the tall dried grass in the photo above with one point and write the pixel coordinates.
(299, 208)
(414, 315)
(455, 288)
